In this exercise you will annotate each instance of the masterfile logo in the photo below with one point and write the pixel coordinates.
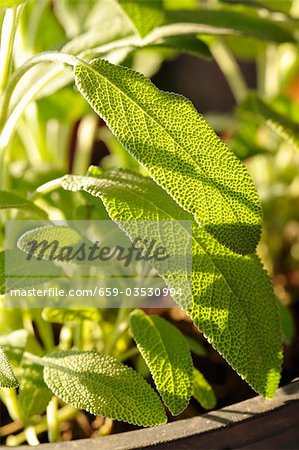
(94, 263)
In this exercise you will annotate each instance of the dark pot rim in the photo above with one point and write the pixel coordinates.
(256, 423)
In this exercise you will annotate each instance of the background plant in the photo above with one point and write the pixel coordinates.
(170, 165)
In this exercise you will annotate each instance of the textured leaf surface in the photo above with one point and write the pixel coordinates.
(12, 200)
(233, 300)
(167, 355)
(203, 392)
(144, 15)
(103, 386)
(7, 378)
(241, 22)
(179, 149)
(34, 395)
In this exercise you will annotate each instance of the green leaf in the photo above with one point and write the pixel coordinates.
(103, 386)
(34, 395)
(73, 15)
(14, 344)
(168, 357)
(7, 378)
(179, 150)
(145, 15)
(12, 200)
(233, 300)
(17, 338)
(76, 315)
(243, 23)
(20, 272)
(10, 3)
(186, 44)
(64, 235)
(203, 392)
(279, 123)
(196, 347)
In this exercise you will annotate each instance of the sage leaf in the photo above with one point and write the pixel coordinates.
(196, 347)
(103, 386)
(168, 357)
(284, 127)
(186, 44)
(179, 149)
(203, 392)
(7, 378)
(15, 267)
(145, 15)
(13, 344)
(233, 300)
(34, 395)
(16, 201)
(243, 23)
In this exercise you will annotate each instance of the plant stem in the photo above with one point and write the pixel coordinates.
(85, 138)
(31, 436)
(65, 337)
(46, 188)
(128, 354)
(230, 69)
(7, 39)
(64, 414)
(295, 9)
(44, 330)
(52, 420)
(121, 325)
(35, 359)
(9, 398)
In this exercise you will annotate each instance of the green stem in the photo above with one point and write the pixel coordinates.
(31, 436)
(85, 138)
(9, 398)
(45, 331)
(27, 137)
(128, 354)
(52, 420)
(121, 325)
(77, 333)
(294, 12)
(46, 188)
(64, 414)
(9, 27)
(230, 69)
(35, 359)
(65, 337)
(34, 21)
(32, 92)
(46, 57)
